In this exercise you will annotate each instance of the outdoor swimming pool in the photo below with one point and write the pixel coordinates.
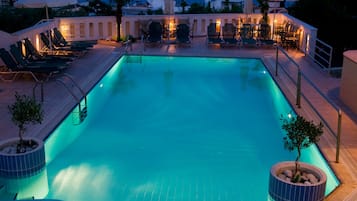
(174, 128)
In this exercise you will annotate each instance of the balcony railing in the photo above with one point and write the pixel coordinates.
(104, 27)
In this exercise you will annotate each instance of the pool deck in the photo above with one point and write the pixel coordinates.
(88, 69)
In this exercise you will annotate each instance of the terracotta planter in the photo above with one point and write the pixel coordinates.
(283, 190)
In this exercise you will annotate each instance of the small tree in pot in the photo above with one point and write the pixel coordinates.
(25, 110)
(300, 134)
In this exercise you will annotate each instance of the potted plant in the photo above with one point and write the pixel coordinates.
(25, 110)
(22, 156)
(297, 180)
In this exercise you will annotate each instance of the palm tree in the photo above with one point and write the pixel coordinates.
(119, 14)
(264, 7)
(183, 5)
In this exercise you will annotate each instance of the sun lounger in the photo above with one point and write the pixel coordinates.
(17, 55)
(16, 69)
(53, 49)
(33, 54)
(59, 39)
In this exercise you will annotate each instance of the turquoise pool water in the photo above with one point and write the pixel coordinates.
(174, 128)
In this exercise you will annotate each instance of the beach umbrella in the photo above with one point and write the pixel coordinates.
(44, 4)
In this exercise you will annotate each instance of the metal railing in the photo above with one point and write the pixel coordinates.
(322, 56)
(300, 93)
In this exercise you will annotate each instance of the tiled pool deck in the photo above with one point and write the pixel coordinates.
(87, 70)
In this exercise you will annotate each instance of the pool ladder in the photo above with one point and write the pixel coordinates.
(82, 112)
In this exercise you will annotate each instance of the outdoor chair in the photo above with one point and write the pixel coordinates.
(246, 35)
(213, 36)
(265, 36)
(229, 32)
(183, 34)
(154, 36)
(287, 41)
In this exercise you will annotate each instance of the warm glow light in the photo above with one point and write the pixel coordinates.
(64, 28)
(23, 49)
(37, 42)
(307, 43)
(218, 27)
(172, 25)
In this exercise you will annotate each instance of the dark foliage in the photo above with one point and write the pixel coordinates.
(196, 8)
(100, 8)
(15, 19)
(12, 19)
(335, 20)
(300, 134)
(25, 110)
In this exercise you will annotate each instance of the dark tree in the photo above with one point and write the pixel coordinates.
(119, 14)
(226, 6)
(335, 21)
(300, 134)
(264, 7)
(196, 8)
(183, 5)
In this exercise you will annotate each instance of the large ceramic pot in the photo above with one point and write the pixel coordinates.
(281, 189)
(21, 165)
(19, 170)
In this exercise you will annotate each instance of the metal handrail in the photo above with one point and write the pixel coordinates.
(82, 112)
(80, 89)
(327, 50)
(299, 93)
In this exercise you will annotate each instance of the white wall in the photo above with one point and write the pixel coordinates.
(104, 27)
(87, 28)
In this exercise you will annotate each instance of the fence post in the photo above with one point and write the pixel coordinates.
(276, 61)
(338, 141)
(298, 89)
